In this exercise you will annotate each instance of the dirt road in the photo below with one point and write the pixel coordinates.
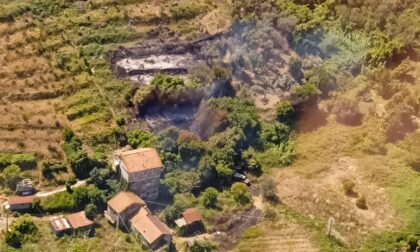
(61, 189)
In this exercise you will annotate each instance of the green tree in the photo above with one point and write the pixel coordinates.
(181, 181)
(91, 210)
(99, 177)
(240, 193)
(209, 197)
(11, 176)
(181, 202)
(224, 170)
(274, 133)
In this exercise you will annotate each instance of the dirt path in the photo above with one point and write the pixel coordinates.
(61, 189)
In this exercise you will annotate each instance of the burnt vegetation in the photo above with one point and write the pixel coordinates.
(213, 101)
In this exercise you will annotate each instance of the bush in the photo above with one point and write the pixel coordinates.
(252, 232)
(181, 181)
(181, 202)
(348, 187)
(11, 176)
(274, 133)
(202, 246)
(141, 138)
(76, 200)
(240, 193)
(23, 229)
(91, 210)
(269, 189)
(24, 161)
(209, 197)
(79, 161)
(167, 83)
(361, 203)
(285, 112)
(51, 167)
(188, 10)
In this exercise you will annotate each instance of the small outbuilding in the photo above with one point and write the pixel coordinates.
(59, 225)
(191, 221)
(20, 203)
(79, 222)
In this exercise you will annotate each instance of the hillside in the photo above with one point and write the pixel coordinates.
(315, 102)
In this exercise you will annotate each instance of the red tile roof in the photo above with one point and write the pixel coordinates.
(141, 160)
(78, 220)
(191, 215)
(149, 226)
(124, 200)
(20, 200)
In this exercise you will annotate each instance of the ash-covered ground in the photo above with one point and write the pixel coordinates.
(262, 67)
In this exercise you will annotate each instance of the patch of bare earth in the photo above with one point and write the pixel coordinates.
(321, 196)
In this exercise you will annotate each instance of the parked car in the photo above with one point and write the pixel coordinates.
(241, 178)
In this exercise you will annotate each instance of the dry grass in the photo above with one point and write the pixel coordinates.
(106, 239)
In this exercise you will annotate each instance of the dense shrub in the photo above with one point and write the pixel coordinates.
(274, 133)
(187, 10)
(348, 187)
(23, 229)
(167, 83)
(202, 246)
(240, 193)
(51, 167)
(361, 203)
(79, 161)
(174, 211)
(11, 175)
(24, 161)
(75, 200)
(285, 112)
(141, 138)
(269, 189)
(181, 181)
(209, 197)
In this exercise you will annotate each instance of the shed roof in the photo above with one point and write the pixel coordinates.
(79, 220)
(150, 227)
(191, 215)
(59, 223)
(124, 200)
(141, 160)
(20, 200)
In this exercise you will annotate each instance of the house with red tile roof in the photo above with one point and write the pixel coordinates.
(141, 169)
(79, 222)
(191, 221)
(122, 207)
(152, 232)
(20, 203)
